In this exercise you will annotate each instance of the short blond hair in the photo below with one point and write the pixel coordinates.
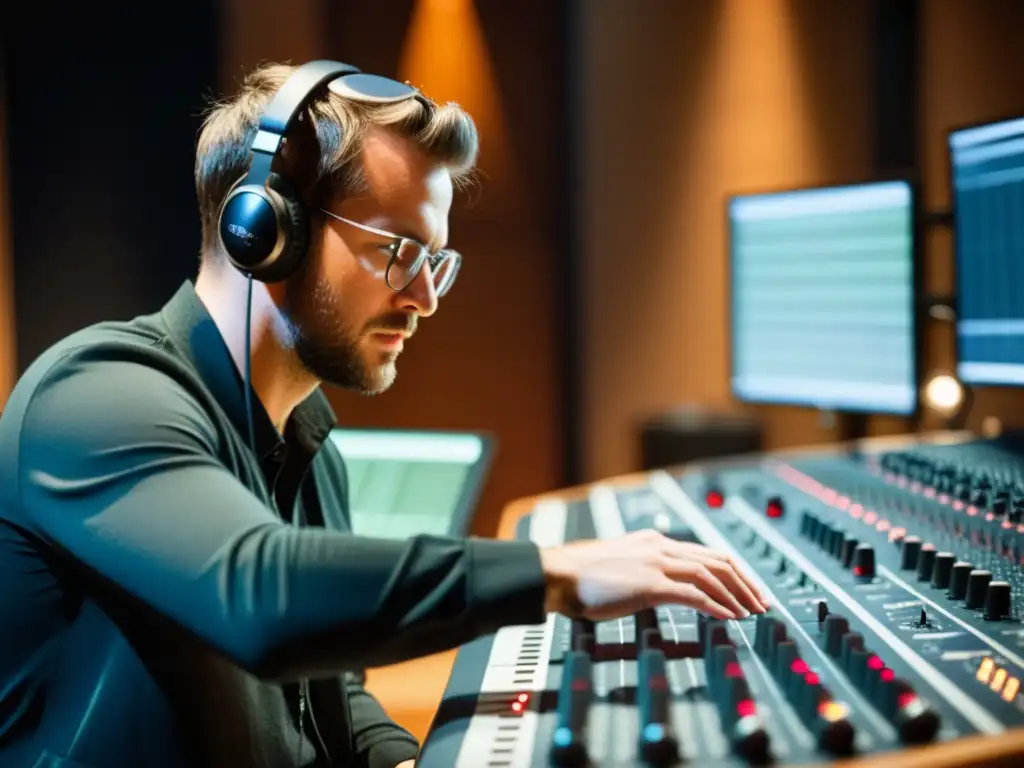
(327, 167)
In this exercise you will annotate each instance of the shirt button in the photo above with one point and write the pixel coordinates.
(280, 453)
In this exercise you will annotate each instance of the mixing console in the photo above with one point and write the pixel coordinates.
(895, 579)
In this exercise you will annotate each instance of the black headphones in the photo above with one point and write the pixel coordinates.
(263, 225)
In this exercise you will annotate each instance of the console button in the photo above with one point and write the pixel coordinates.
(864, 562)
(977, 585)
(942, 571)
(958, 582)
(926, 562)
(998, 601)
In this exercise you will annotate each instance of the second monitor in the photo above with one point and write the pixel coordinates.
(823, 298)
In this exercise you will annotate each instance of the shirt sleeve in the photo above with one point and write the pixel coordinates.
(379, 741)
(118, 468)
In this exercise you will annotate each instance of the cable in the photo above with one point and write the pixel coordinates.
(247, 384)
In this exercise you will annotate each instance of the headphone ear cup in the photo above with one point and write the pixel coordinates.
(296, 240)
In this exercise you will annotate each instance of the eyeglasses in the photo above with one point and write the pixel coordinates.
(407, 258)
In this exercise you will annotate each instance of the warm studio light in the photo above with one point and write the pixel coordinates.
(944, 395)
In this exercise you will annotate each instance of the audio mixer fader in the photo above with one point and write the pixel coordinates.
(895, 580)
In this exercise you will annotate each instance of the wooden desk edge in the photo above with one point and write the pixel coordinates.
(969, 752)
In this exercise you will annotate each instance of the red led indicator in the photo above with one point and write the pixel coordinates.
(905, 700)
(732, 669)
(774, 509)
(811, 678)
(887, 675)
(714, 499)
(858, 571)
(799, 667)
(517, 706)
(875, 662)
(523, 698)
(746, 707)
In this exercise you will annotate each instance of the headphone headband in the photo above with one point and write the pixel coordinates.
(285, 107)
(263, 224)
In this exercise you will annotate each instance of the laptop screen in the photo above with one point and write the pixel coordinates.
(407, 482)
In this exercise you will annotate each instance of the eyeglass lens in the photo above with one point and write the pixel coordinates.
(409, 260)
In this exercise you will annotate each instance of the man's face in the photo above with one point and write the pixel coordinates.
(348, 326)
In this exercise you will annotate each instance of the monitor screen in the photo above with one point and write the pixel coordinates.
(988, 205)
(403, 483)
(823, 295)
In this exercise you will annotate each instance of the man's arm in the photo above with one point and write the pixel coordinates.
(379, 741)
(117, 468)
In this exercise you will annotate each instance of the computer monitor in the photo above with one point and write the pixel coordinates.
(987, 163)
(823, 298)
(407, 482)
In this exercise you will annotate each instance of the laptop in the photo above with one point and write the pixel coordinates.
(408, 482)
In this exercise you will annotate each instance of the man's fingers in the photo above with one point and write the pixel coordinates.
(682, 593)
(689, 550)
(698, 574)
(733, 580)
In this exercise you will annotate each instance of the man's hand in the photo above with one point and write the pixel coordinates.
(406, 764)
(611, 578)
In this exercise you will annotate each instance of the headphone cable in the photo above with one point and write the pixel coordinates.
(248, 369)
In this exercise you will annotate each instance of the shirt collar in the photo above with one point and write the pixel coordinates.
(197, 337)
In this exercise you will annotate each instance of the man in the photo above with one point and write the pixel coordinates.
(175, 595)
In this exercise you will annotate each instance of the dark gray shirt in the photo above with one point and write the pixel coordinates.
(164, 592)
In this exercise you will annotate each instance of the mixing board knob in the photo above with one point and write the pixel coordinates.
(958, 582)
(914, 719)
(767, 632)
(657, 744)
(835, 627)
(977, 584)
(864, 562)
(1000, 503)
(942, 571)
(574, 698)
(836, 547)
(834, 730)
(648, 635)
(925, 562)
(717, 637)
(846, 555)
(810, 695)
(785, 653)
(581, 636)
(808, 525)
(824, 537)
(857, 663)
(1016, 511)
(721, 658)
(848, 643)
(997, 601)
(909, 553)
(738, 714)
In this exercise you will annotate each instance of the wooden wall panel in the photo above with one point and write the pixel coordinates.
(8, 355)
(687, 103)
